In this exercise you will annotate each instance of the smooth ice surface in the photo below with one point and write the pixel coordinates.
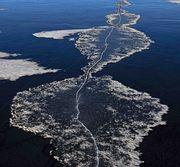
(58, 34)
(13, 68)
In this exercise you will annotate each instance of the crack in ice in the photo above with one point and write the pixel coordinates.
(82, 86)
(87, 74)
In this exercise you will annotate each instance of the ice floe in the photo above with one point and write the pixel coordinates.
(117, 116)
(58, 34)
(14, 68)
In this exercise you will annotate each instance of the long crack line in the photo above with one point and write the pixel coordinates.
(87, 74)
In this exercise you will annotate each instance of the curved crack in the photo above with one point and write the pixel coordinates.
(87, 76)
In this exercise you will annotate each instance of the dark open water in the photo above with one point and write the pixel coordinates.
(156, 71)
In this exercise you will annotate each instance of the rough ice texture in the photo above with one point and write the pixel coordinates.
(13, 69)
(118, 117)
(58, 34)
(126, 18)
(123, 42)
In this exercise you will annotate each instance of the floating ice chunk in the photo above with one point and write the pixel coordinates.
(72, 39)
(12, 69)
(126, 18)
(118, 117)
(124, 42)
(58, 34)
(3, 54)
